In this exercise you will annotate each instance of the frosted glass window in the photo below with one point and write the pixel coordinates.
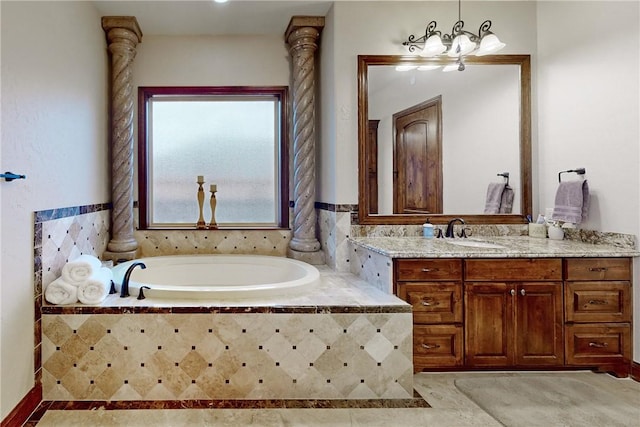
(234, 140)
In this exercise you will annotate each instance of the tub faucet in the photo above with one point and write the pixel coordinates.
(449, 232)
(124, 288)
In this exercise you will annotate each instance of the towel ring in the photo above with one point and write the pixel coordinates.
(505, 175)
(579, 171)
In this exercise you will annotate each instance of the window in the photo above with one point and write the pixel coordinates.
(236, 137)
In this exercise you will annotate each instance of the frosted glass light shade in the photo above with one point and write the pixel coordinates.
(433, 46)
(465, 44)
(406, 67)
(428, 67)
(489, 44)
(450, 67)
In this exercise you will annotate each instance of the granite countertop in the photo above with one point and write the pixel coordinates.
(489, 247)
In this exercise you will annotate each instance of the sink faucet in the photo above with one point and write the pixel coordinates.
(124, 288)
(449, 231)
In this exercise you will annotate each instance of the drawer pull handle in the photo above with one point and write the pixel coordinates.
(430, 346)
(429, 270)
(598, 344)
(427, 302)
(598, 269)
(597, 302)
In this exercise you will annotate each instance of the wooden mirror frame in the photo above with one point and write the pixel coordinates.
(365, 217)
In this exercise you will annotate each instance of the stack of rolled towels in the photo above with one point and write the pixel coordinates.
(84, 279)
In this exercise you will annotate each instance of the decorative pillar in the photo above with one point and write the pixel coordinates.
(301, 36)
(123, 34)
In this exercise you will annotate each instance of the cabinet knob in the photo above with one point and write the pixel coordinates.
(430, 346)
(597, 302)
(523, 292)
(512, 292)
(598, 344)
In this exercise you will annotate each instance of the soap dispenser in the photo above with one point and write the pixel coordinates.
(427, 230)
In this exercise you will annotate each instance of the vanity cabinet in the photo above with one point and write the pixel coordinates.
(598, 313)
(513, 313)
(518, 312)
(433, 287)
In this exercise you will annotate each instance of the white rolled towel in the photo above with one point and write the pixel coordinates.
(60, 292)
(75, 272)
(96, 287)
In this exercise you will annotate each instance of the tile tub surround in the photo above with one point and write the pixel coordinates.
(334, 225)
(372, 267)
(60, 235)
(345, 340)
(222, 241)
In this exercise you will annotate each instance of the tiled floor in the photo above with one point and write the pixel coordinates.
(449, 407)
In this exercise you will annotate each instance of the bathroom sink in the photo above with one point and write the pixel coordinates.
(475, 244)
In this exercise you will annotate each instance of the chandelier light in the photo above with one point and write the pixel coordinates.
(458, 44)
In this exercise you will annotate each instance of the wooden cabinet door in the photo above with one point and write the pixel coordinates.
(539, 327)
(489, 324)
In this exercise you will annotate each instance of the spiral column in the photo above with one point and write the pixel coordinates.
(301, 36)
(123, 35)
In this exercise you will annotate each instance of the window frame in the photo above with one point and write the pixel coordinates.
(146, 93)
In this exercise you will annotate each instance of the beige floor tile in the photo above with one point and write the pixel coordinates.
(450, 408)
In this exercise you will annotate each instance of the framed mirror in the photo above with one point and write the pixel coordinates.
(430, 143)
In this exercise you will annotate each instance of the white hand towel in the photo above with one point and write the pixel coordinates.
(494, 197)
(75, 272)
(95, 288)
(60, 292)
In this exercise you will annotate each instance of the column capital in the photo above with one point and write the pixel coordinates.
(298, 22)
(129, 23)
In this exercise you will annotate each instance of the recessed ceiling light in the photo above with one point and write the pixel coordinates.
(220, 1)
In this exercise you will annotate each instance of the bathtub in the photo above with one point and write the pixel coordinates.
(217, 276)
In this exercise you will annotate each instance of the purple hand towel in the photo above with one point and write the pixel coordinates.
(494, 197)
(506, 201)
(572, 202)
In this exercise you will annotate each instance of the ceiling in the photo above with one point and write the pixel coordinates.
(204, 17)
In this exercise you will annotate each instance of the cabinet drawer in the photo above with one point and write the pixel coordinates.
(593, 344)
(438, 302)
(539, 269)
(437, 346)
(598, 269)
(427, 270)
(597, 301)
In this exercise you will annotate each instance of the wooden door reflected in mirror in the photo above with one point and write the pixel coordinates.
(417, 159)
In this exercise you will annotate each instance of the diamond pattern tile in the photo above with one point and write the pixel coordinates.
(175, 242)
(229, 356)
(66, 238)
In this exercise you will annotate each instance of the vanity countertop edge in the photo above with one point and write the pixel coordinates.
(511, 247)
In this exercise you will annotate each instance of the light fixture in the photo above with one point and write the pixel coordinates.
(458, 44)
(406, 67)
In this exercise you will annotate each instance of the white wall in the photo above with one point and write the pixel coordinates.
(211, 61)
(379, 28)
(588, 93)
(54, 130)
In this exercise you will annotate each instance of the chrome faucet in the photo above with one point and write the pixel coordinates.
(124, 288)
(449, 232)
